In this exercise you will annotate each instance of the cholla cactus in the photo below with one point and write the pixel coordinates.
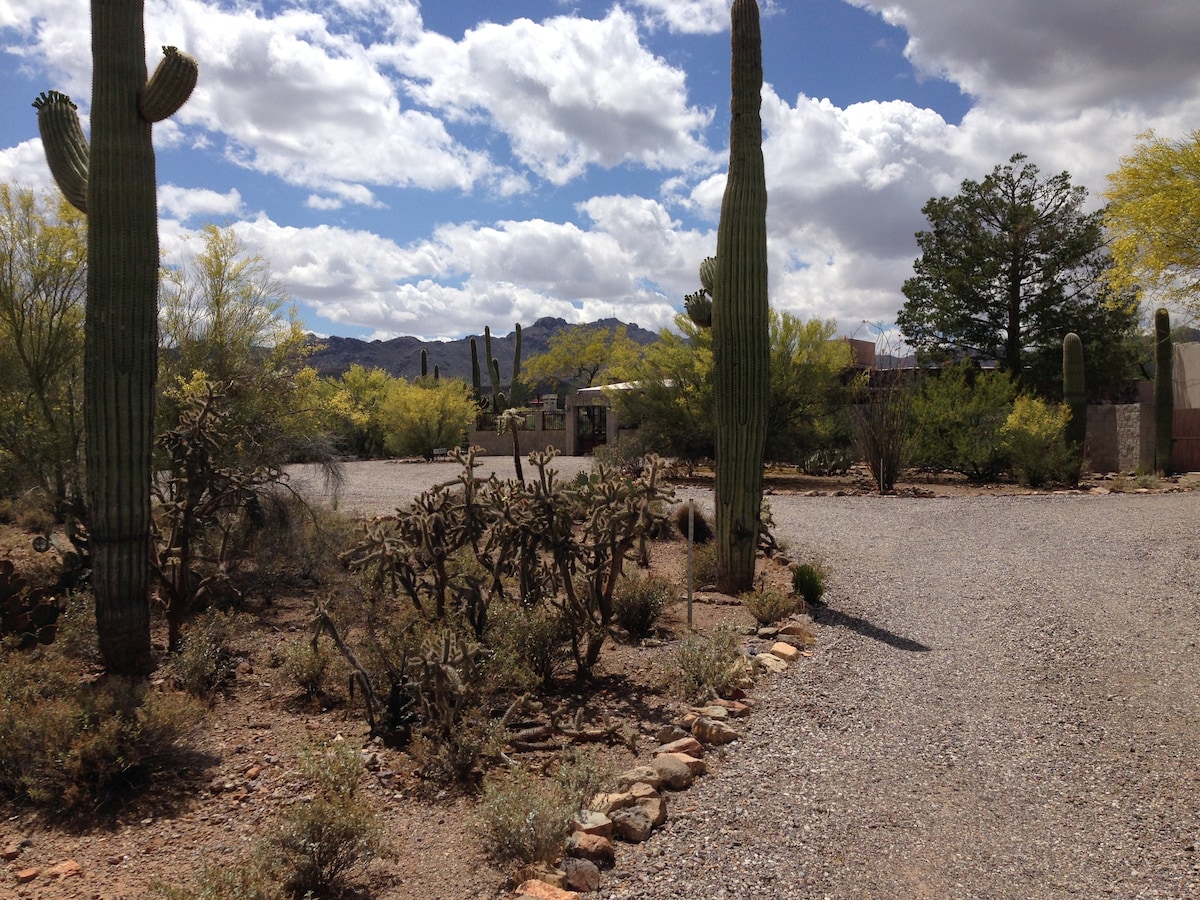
(112, 180)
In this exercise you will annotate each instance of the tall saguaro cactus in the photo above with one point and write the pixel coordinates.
(1075, 396)
(113, 181)
(1164, 391)
(740, 315)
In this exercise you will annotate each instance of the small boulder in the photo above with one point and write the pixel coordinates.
(713, 733)
(589, 821)
(583, 875)
(638, 774)
(599, 850)
(633, 824)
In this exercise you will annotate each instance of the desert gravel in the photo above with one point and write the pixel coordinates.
(1004, 702)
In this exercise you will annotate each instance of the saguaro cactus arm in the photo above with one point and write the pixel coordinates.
(66, 147)
(170, 85)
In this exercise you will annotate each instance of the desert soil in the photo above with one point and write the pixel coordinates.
(1003, 701)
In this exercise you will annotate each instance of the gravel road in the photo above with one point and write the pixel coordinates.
(1004, 703)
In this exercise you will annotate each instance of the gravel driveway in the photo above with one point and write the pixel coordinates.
(1004, 703)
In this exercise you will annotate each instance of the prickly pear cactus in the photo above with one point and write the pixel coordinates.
(740, 316)
(112, 179)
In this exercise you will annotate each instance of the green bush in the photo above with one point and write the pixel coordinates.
(768, 605)
(1035, 438)
(322, 838)
(808, 582)
(711, 667)
(206, 660)
(306, 663)
(638, 602)
(958, 415)
(525, 818)
(528, 644)
(704, 563)
(73, 747)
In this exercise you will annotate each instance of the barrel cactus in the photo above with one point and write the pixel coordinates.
(740, 314)
(112, 180)
(1164, 391)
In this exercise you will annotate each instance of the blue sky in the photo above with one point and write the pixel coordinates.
(429, 169)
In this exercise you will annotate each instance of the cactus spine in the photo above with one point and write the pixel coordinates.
(113, 181)
(740, 315)
(1074, 394)
(1164, 391)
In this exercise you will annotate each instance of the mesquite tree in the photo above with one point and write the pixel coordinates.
(740, 328)
(112, 180)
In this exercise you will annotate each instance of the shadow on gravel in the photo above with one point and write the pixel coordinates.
(825, 615)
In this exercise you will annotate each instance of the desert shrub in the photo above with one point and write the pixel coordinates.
(808, 582)
(639, 601)
(702, 531)
(882, 418)
(76, 637)
(958, 415)
(711, 667)
(295, 542)
(768, 605)
(704, 563)
(528, 644)
(207, 659)
(1034, 435)
(74, 747)
(524, 817)
(306, 663)
(250, 877)
(322, 838)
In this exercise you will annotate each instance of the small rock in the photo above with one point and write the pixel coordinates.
(542, 891)
(771, 662)
(669, 733)
(27, 875)
(713, 733)
(688, 745)
(645, 774)
(655, 808)
(589, 821)
(598, 849)
(540, 872)
(737, 709)
(785, 651)
(632, 824)
(610, 803)
(66, 869)
(13, 850)
(583, 875)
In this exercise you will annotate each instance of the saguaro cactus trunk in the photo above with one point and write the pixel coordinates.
(740, 315)
(1164, 391)
(1075, 396)
(115, 180)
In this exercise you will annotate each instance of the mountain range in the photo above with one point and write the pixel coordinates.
(401, 356)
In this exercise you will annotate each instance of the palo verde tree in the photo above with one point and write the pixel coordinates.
(112, 180)
(581, 356)
(43, 271)
(1007, 267)
(1153, 220)
(740, 331)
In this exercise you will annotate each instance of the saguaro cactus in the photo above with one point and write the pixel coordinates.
(740, 315)
(113, 181)
(476, 384)
(1075, 397)
(1164, 391)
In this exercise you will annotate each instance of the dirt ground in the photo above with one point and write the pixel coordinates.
(245, 769)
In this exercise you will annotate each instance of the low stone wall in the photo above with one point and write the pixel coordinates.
(1120, 438)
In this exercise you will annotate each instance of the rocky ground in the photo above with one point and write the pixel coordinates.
(1002, 701)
